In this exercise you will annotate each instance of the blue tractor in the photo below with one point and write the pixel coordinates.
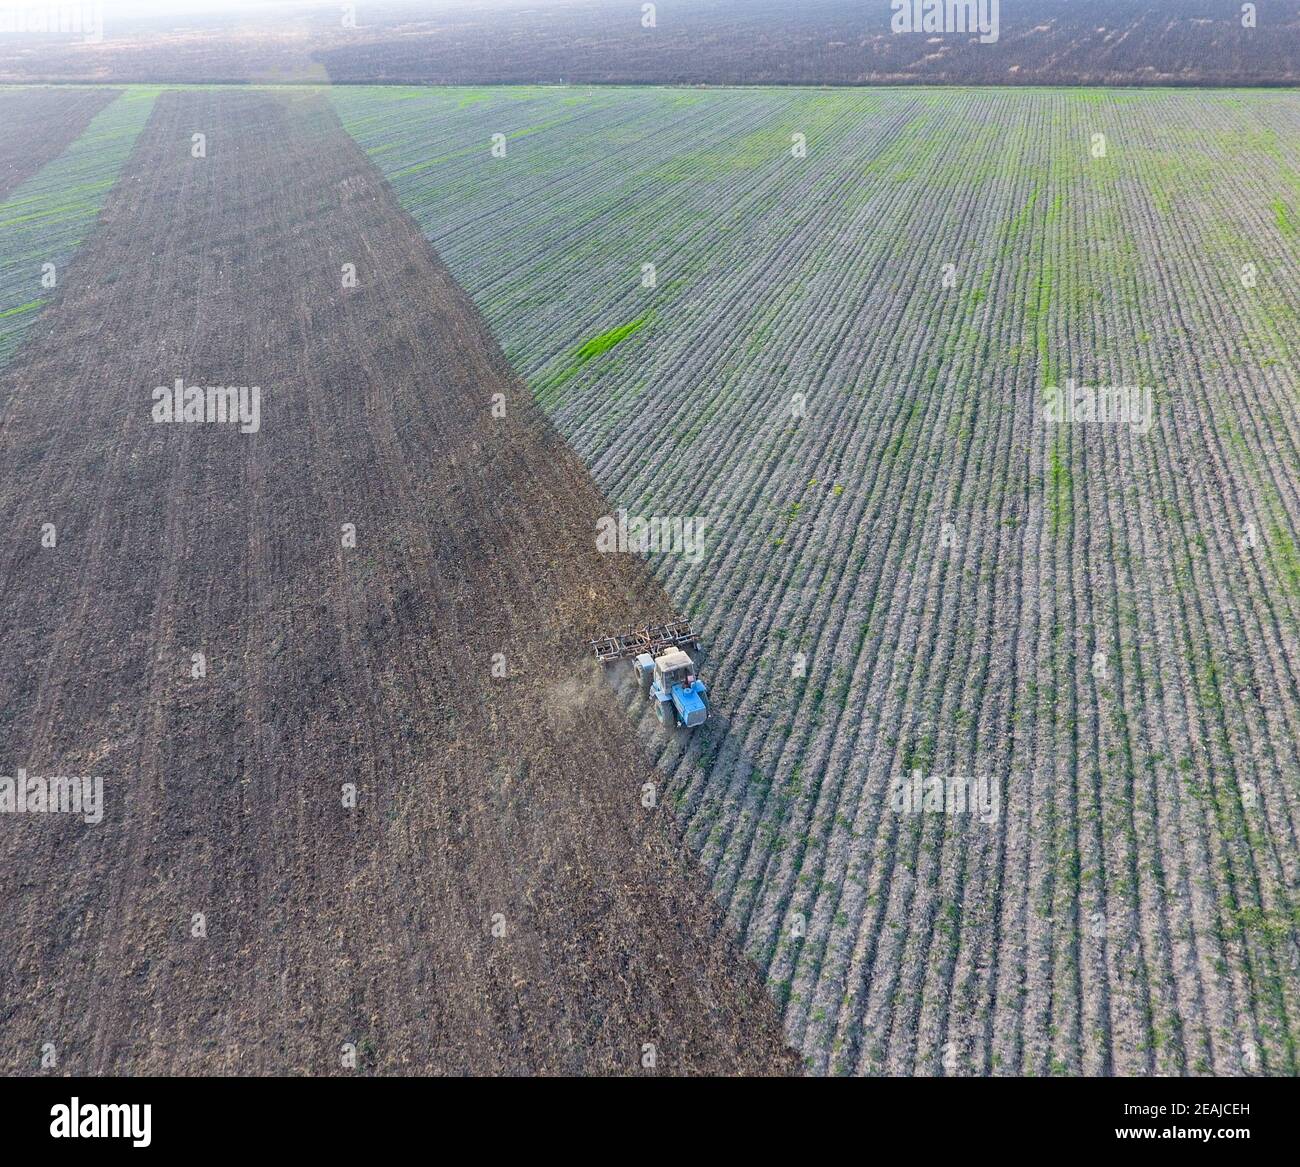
(663, 670)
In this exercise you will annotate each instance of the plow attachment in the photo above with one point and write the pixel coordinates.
(653, 639)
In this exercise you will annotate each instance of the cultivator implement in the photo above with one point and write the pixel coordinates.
(654, 640)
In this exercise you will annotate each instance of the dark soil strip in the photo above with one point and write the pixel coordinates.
(517, 798)
(37, 125)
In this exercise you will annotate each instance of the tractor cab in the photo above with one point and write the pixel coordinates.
(673, 668)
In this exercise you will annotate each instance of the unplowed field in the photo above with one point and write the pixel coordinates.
(36, 126)
(63, 154)
(858, 304)
(499, 899)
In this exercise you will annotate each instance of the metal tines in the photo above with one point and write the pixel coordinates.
(654, 639)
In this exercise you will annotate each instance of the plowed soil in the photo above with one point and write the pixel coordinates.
(517, 798)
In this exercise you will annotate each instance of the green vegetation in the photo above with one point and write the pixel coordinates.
(1060, 494)
(607, 340)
